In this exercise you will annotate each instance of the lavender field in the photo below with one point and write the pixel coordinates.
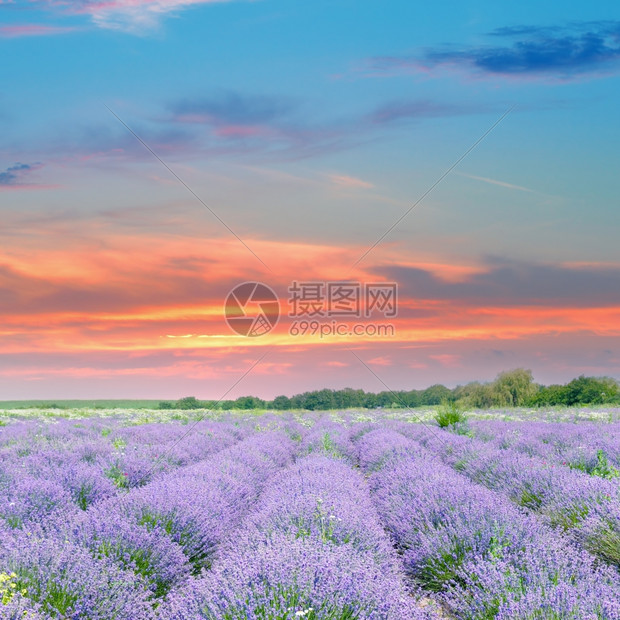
(316, 516)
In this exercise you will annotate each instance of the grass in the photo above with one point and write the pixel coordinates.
(79, 404)
(137, 412)
(602, 469)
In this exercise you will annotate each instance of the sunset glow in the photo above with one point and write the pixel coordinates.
(222, 159)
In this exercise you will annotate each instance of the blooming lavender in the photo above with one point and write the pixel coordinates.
(472, 546)
(64, 581)
(313, 547)
(319, 516)
(574, 501)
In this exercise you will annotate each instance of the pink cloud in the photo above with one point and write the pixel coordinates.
(344, 180)
(417, 365)
(31, 30)
(448, 360)
(238, 131)
(380, 361)
(14, 177)
(126, 15)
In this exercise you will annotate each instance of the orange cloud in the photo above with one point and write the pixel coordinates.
(108, 290)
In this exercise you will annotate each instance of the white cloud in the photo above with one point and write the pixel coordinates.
(134, 16)
(344, 180)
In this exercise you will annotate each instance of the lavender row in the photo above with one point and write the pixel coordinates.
(472, 548)
(112, 560)
(313, 548)
(586, 506)
(593, 448)
(62, 468)
(329, 438)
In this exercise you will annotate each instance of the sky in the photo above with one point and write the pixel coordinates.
(156, 154)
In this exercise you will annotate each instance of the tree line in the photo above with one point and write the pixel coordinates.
(512, 388)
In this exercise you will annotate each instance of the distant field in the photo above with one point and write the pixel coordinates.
(79, 404)
(146, 411)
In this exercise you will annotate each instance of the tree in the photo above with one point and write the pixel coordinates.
(384, 399)
(591, 391)
(435, 395)
(189, 402)
(370, 400)
(281, 403)
(249, 402)
(348, 398)
(480, 396)
(318, 400)
(514, 388)
(549, 395)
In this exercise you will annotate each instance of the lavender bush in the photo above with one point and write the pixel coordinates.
(338, 516)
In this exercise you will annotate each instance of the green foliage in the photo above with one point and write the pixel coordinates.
(189, 402)
(83, 494)
(55, 601)
(294, 435)
(62, 405)
(14, 522)
(434, 395)
(59, 599)
(9, 587)
(119, 443)
(281, 403)
(329, 447)
(287, 603)
(449, 414)
(604, 542)
(319, 400)
(249, 402)
(514, 388)
(591, 391)
(529, 499)
(324, 525)
(444, 566)
(581, 391)
(602, 468)
(137, 560)
(549, 395)
(152, 520)
(569, 517)
(118, 477)
(349, 398)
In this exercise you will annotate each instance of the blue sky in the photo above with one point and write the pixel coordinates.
(315, 125)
